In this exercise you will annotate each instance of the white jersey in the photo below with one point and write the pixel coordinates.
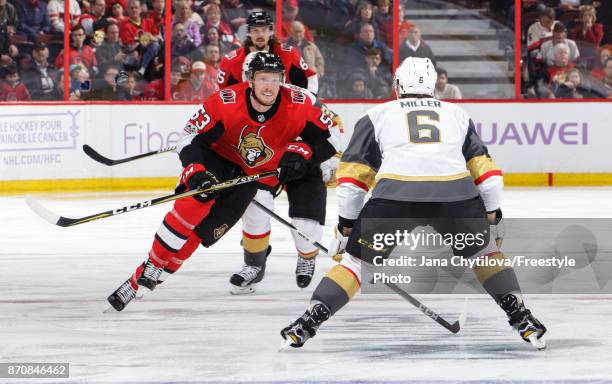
(419, 150)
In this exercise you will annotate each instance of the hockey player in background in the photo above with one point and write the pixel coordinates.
(247, 128)
(429, 164)
(308, 195)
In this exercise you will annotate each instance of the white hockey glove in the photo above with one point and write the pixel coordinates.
(497, 227)
(329, 167)
(337, 244)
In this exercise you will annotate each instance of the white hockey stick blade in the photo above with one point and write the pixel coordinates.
(464, 312)
(41, 211)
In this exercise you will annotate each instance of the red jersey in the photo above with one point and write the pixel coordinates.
(257, 141)
(154, 90)
(85, 56)
(297, 71)
(130, 32)
(17, 93)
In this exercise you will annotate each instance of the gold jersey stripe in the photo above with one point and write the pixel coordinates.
(484, 273)
(357, 171)
(344, 279)
(255, 245)
(393, 176)
(479, 165)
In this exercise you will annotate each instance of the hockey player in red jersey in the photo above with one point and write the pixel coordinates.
(247, 128)
(261, 38)
(307, 207)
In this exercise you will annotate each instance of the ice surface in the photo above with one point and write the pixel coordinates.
(54, 283)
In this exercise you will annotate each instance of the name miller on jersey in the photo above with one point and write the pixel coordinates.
(420, 103)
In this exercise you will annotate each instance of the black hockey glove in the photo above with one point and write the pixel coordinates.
(295, 162)
(195, 176)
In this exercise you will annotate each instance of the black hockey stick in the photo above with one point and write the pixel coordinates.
(89, 151)
(69, 222)
(454, 327)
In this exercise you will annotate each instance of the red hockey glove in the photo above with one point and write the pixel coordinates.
(295, 162)
(195, 176)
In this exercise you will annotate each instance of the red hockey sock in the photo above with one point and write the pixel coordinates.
(184, 253)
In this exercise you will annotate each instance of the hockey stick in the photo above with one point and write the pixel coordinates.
(454, 327)
(69, 222)
(89, 151)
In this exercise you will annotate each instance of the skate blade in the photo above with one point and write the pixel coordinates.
(285, 344)
(539, 344)
(234, 290)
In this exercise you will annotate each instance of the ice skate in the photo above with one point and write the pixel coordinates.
(304, 271)
(149, 276)
(122, 296)
(245, 281)
(305, 327)
(520, 318)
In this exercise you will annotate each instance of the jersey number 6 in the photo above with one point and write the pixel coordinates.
(422, 126)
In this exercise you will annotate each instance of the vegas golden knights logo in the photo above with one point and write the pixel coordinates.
(252, 148)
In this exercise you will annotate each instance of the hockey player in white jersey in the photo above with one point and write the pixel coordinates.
(430, 164)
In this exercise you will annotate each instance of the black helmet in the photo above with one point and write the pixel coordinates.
(259, 18)
(265, 62)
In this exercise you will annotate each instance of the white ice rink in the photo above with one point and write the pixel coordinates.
(54, 283)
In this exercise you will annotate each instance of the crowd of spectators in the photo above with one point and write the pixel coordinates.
(568, 45)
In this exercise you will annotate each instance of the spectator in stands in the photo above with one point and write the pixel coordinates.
(364, 16)
(199, 86)
(33, 19)
(110, 4)
(55, 10)
(236, 12)
(79, 76)
(414, 46)
(8, 51)
(443, 89)
(541, 30)
(358, 87)
(12, 89)
(176, 77)
(126, 86)
(79, 52)
(290, 12)
(367, 41)
(212, 38)
(105, 88)
(212, 58)
(118, 11)
(9, 17)
(571, 87)
(383, 12)
(213, 19)
(154, 91)
(95, 19)
(183, 16)
(559, 36)
(604, 53)
(608, 77)
(157, 14)
(59, 85)
(561, 66)
(109, 52)
(140, 32)
(309, 51)
(378, 78)
(403, 26)
(588, 34)
(182, 44)
(38, 77)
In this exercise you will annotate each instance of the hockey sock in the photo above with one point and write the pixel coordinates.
(337, 288)
(313, 229)
(183, 254)
(255, 248)
(497, 280)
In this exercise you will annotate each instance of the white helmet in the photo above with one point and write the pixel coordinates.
(415, 76)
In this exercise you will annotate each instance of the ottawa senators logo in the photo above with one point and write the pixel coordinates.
(252, 148)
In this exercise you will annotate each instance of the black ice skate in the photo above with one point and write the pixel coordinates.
(305, 327)
(520, 318)
(245, 281)
(149, 276)
(122, 296)
(304, 271)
